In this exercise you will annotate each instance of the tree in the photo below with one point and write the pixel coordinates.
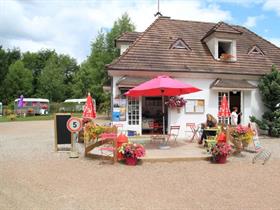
(120, 26)
(51, 80)
(70, 68)
(36, 63)
(269, 87)
(7, 57)
(92, 75)
(18, 81)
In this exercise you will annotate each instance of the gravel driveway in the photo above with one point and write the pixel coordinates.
(33, 176)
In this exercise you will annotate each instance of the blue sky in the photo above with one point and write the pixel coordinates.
(69, 26)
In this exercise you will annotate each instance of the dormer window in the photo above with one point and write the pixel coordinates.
(180, 44)
(224, 49)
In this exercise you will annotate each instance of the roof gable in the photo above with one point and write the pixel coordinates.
(222, 28)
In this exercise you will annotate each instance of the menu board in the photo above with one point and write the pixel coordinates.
(194, 106)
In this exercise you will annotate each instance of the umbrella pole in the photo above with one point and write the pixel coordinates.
(164, 145)
(163, 116)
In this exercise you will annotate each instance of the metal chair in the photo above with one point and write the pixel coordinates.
(156, 134)
(120, 128)
(173, 133)
(193, 129)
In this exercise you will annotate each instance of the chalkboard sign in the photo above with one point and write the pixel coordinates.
(62, 134)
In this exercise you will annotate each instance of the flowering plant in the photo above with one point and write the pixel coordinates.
(221, 149)
(132, 150)
(242, 133)
(92, 131)
(175, 102)
(226, 56)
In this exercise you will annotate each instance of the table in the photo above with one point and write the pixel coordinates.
(210, 132)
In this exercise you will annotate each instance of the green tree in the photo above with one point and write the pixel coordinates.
(70, 68)
(269, 87)
(92, 75)
(7, 57)
(18, 81)
(36, 62)
(120, 26)
(51, 80)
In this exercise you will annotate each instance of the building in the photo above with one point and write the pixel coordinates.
(220, 59)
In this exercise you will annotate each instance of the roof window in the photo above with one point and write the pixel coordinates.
(255, 51)
(179, 44)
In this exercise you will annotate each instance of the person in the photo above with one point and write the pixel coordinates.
(211, 122)
(234, 116)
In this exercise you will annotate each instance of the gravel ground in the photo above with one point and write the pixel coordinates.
(32, 176)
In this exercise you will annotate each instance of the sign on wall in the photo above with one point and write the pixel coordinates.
(119, 109)
(195, 106)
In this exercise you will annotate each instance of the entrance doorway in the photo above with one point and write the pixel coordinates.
(152, 115)
(235, 101)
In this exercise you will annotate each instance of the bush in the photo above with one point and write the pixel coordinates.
(269, 87)
(54, 107)
(12, 117)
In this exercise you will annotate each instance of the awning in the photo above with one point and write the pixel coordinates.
(231, 84)
(130, 81)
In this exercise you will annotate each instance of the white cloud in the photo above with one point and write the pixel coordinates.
(70, 26)
(252, 21)
(275, 41)
(244, 3)
(272, 5)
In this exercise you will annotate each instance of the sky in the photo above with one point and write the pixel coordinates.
(70, 26)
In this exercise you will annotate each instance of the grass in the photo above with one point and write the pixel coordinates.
(33, 118)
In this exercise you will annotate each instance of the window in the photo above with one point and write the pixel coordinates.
(180, 44)
(225, 50)
(220, 97)
(133, 111)
(194, 106)
(256, 51)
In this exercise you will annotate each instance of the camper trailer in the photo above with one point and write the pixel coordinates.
(32, 106)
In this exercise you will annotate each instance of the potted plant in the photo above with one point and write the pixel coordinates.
(131, 152)
(226, 57)
(220, 152)
(176, 102)
(241, 137)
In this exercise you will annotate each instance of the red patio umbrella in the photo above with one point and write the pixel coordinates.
(89, 109)
(162, 86)
(224, 110)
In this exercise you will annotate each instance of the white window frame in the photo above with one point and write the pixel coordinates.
(133, 111)
(233, 48)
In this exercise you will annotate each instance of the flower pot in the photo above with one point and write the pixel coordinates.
(178, 110)
(131, 161)
(221, 159)
(237, 145)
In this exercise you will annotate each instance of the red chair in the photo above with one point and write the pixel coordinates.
(173, 133)
(191, 128)
(156, 132)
